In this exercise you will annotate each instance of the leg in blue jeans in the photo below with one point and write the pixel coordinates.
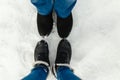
(38, 73)
(64, 73)
(44, 7)
(63, 8)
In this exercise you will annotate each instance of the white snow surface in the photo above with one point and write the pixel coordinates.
(95, 39)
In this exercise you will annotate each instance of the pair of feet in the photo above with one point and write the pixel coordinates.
(45, 25)
(63, 57)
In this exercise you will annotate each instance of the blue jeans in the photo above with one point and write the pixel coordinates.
(63, 8)
(63, 73)
(37, 73)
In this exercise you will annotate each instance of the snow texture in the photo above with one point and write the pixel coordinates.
(95, 39)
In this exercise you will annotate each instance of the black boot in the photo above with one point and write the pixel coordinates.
(41, 54)
(64, 26)
(63, 57)
(64, 52)
(45, 24)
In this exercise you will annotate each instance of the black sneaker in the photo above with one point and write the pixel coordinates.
(45, 24)
(63, 57)
(64, 26)
(41, 54)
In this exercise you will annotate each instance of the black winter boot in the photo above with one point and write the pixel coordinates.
(64, 52)
(64, 26)
(63, 57)
(41, 54)
(45, 24)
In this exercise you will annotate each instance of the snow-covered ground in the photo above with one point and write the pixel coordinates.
(95, 39)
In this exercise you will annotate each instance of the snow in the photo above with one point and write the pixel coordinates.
(95, 39)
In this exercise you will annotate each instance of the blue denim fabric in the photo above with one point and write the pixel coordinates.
(65, 73)
(44, 7)
(62, 8)
(38, 73)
